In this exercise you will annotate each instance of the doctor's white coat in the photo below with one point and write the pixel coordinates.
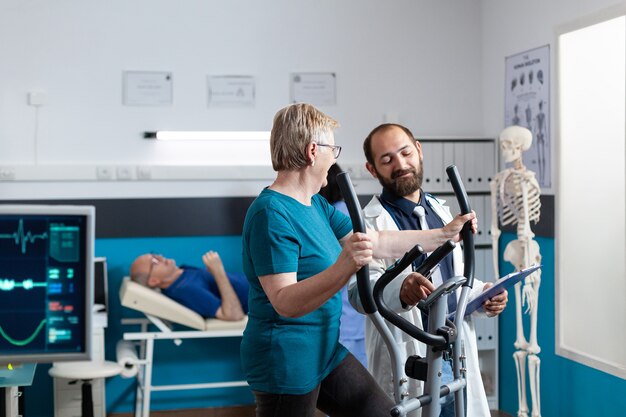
(379, 362)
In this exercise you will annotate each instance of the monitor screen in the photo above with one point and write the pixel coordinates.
(46, 282)
(100, 286)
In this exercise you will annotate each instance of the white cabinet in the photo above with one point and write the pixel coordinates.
(474, 158)
(487, 332)
(68, 392)
(67, 396)
(476, 161)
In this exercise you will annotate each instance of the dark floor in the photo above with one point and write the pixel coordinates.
(238, 411)
(498, 413)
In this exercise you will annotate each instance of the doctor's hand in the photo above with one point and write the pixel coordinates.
(453, 229)
(496, 304)
(415, 287)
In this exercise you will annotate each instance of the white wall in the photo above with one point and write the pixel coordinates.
(437, 67)
(419, 62)
(510, 27)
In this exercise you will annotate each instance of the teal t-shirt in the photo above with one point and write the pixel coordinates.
(279, 354)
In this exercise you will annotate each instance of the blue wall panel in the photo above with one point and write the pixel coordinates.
(567, 387)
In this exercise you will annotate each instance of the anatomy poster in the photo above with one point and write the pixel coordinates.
(527, 104)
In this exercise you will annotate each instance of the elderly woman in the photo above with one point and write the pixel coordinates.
(298, 252)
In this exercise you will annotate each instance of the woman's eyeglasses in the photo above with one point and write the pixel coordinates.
(335, 148)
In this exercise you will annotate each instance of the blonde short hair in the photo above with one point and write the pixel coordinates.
(294, 128)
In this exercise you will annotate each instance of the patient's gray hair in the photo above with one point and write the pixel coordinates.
(139, 278)
(137, 274)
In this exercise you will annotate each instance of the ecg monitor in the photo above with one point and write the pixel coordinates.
(46, 283)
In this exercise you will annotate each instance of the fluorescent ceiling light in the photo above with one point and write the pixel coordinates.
(207, 135)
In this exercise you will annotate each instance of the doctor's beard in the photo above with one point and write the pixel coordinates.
(403, 186)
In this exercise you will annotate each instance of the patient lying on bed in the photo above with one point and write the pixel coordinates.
(212, 293)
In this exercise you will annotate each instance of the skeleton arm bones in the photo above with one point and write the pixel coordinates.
(495, 231)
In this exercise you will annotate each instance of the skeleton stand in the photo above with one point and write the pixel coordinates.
(515, 198)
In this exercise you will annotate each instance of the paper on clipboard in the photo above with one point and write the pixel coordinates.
(498, 287)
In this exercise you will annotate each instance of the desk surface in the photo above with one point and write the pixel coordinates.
(20, 376)
(85, 369)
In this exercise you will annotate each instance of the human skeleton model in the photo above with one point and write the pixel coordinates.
(515, 198)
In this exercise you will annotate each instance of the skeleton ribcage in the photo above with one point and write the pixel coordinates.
(510, 199)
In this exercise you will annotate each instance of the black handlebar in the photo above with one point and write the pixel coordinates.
(358, 225)
(393, 271)
(403, 324)
(435, 257)
(466, 232)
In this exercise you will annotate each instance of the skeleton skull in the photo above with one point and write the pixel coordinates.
(513, 141)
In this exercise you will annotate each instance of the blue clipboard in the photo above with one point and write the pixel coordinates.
(498, 287)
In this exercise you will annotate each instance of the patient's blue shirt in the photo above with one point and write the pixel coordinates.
(281, 235)
(196, 289)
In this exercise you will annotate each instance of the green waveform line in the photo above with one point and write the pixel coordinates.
(7, 284)
(25, 341)
(22, 239)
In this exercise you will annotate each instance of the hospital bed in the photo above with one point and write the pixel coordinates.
(162, 312)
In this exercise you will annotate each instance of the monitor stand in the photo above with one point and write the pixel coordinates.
(10, 379)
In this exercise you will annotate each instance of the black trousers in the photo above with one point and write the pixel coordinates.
(348, 391)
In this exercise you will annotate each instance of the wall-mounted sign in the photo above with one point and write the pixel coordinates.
(231, 91)
(314, 88)
(147, 88)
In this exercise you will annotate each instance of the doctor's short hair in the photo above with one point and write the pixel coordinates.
(367, 143)
(294, 128)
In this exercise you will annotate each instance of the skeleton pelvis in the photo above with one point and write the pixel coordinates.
(522, 254)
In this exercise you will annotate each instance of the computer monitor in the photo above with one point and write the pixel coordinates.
(46, 283)
(100, 286)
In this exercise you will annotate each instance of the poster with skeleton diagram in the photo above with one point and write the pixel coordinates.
(527, 104)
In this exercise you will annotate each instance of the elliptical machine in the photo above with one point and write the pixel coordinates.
(444, 337)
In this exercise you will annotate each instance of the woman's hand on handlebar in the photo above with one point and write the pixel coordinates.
(357, 252)
(453, 229)
(415, 287)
